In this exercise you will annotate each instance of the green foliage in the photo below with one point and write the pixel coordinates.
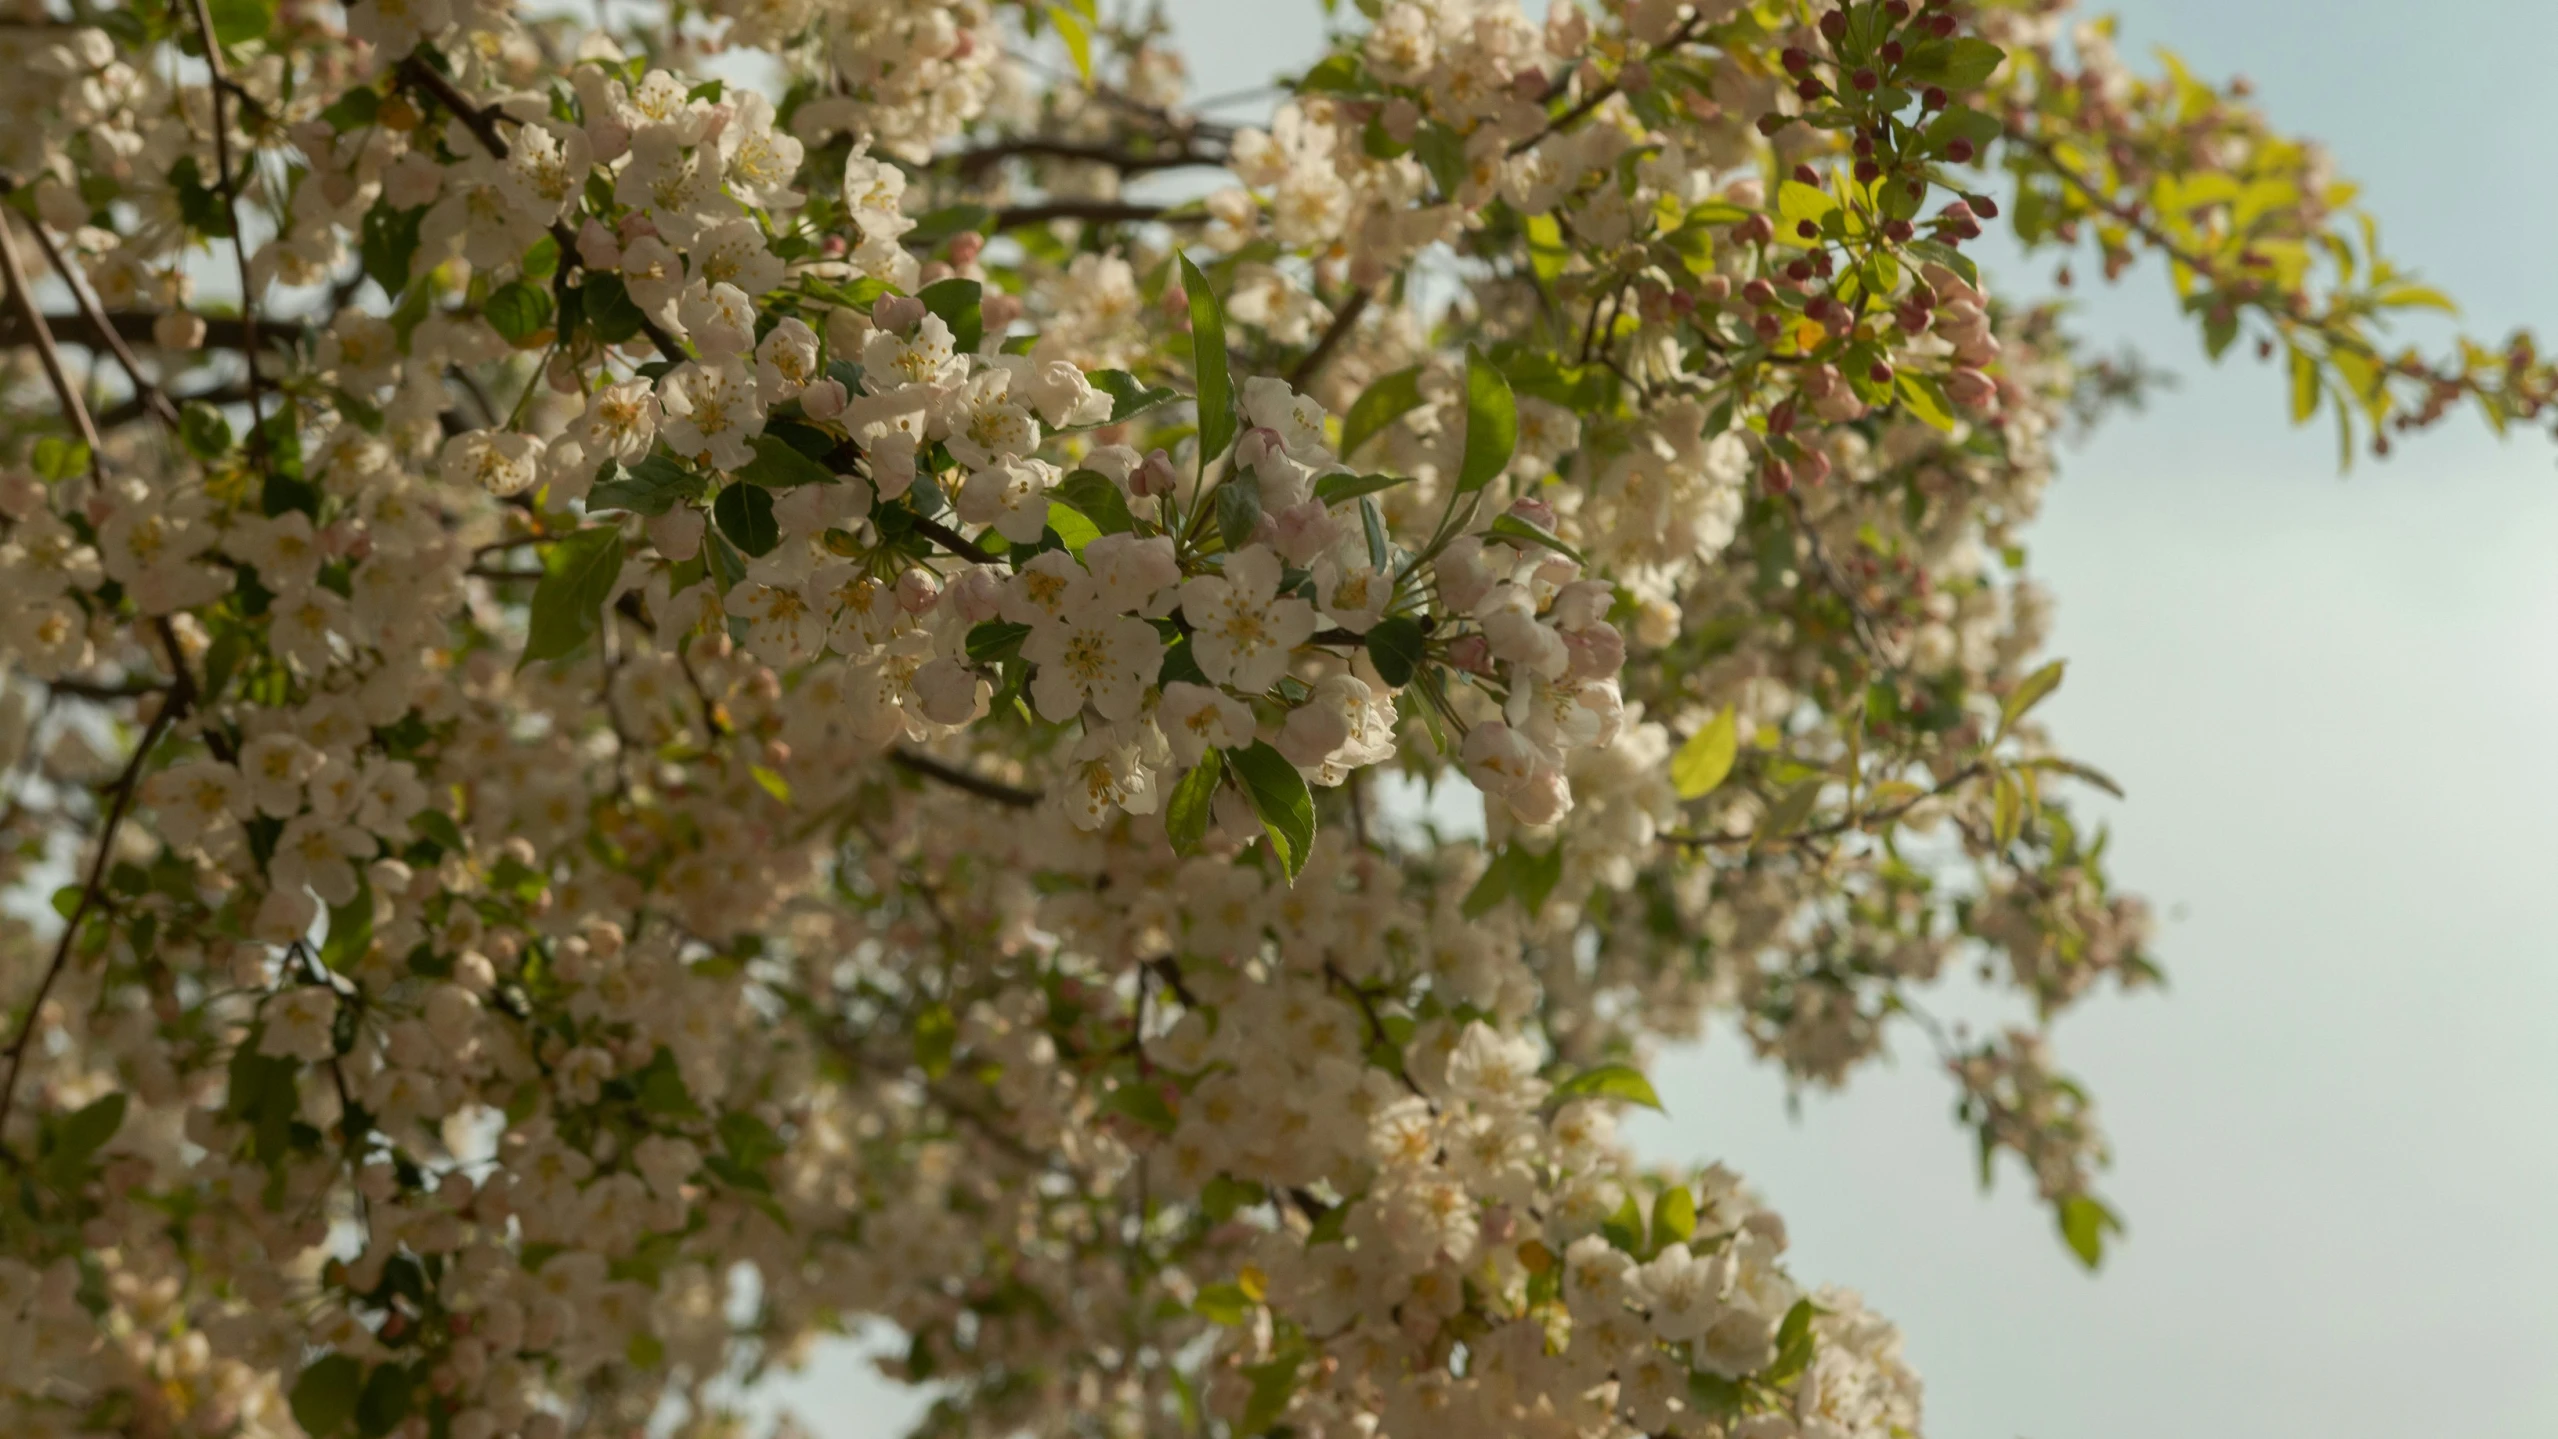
(1280, 797)
(578, 573)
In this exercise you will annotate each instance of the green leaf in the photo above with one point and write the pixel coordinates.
(1610, 1081)
(1091, 494)
(1072, 527)
(350, 928)
(1492, 886)
(577, 574)
(607, 305)
(1946, 255)
(1705, 760)
(204, 430)
(2305, 390)
(1187, 813)
(1533, 876)
(934, 226)
(1273, 1385)
(744, 513)
(517, 310)
(779, 465)
(1341, 487)
(1129, 397)
(961, 305)
(651, 487)
(387, 243)
(1673, 1217)
(996, 641)
(1077, 33)
(1492, 424)
(2084, 1224)
(1337, 73)
(1923, 397)
(1223, 1304)
(84, 1132)
(1279, 795)
(1958, 65)
(1794, 1343)
(324, 1396)
(1139, 1100)
(1790, 810)
(661, 1088)
(1547, 252)
(58, 458)
(936, 1037)
(237, 22)
(1528, 532)
(1217, 423)
(2029, 692)
(385, 1401)
(1386, 400)
(1238, 508)
(1395, 647)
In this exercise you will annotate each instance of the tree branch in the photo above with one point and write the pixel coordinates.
(182, 694)
(482, 123)
(93, 317)
(22, 300)
(917, 762)
(112, 329)
(1093, 211)
(1343, 321)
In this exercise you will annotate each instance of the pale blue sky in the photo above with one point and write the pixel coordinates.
(2338, 1131)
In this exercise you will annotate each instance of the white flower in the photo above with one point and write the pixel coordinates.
(620, 421)
(1242, 632)
(1106, 772)
(713, 413)
(275, 767)
(301, 1024)
(1196, 719)
(985, 424)
(927, 358)
(733, 253)
(498, 461)
(786, 361)
(1683, 1293)
(1011, 495)
(1351, 595)
(719, 317)
(1296, 419)
(1090, 653)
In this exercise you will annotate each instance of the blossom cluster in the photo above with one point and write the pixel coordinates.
(673, 705)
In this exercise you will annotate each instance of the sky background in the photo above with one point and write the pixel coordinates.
(2337, 1131)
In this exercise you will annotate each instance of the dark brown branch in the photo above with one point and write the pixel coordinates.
(953, 541)
(1343, 321)
(1117, 157)
(230, 187)
(108, 329)
(1101, 212)
(481, 121)
(917, 762)
(181, 696)
(1851, 823)
(23, 301)
(94, 317)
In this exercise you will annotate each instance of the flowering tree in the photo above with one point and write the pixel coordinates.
(685, 681)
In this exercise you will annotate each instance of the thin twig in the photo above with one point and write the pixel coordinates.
(917, 762)
(181, 695)
(1343, 320)
(230, 188)
(95, 319)
(23, 301)
(953, 541)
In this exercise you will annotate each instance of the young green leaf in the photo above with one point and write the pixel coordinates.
(744, 513)
(1092, 495)
(779, 465)
(1217, 422)
(1492, 424)
(577, 574)
(1280, 797)
(2084, 1224)
(1395, 647)
(2029, 692)
(1610, 1081)
(1388, 399)
(1129, 397)
(323, 1398)
(961, 305)
(1187, 813)
(1705, 760)
(1673, 1216)
(651, 487)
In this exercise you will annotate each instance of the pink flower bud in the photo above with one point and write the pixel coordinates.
(897, 313)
